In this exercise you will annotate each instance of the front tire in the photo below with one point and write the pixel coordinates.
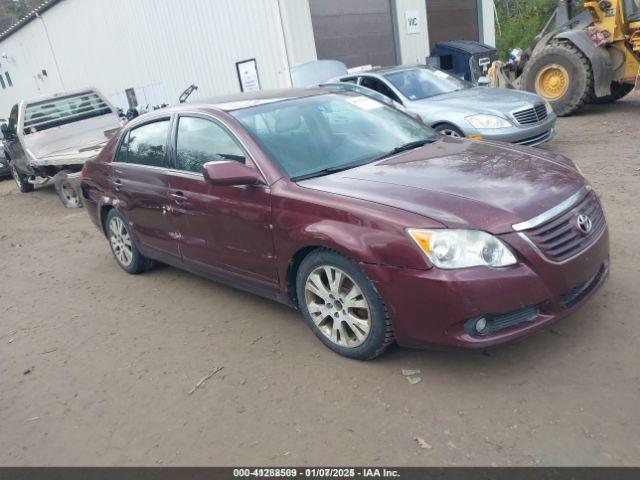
(21, 179)
(122, 245)
(562, 75)
(341, 306)
(448, 130)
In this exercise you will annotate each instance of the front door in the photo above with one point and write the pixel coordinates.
(12, 146)
(140, 180)
(221, 227)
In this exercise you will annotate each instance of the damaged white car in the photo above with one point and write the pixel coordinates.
(51, 137)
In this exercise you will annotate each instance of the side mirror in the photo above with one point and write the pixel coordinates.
(231, 173)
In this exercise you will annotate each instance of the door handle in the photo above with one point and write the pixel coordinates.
(177, 197)
(118, 183)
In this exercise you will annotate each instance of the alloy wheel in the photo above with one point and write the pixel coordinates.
(449, 132)
(120, 241)
(337, 306)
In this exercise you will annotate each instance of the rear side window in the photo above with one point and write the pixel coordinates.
(201, 141)
(379, 86)
(146, 145)
(63, 110)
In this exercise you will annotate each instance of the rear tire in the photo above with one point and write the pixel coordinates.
(345, 311)
(618, 91)
(21, 179)
(122, 245)
(562, 75)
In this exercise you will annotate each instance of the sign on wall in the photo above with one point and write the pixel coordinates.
(412, 18)
(248, 75)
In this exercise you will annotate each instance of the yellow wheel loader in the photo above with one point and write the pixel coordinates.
(591, 58)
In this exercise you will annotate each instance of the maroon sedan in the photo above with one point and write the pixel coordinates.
(375, 227)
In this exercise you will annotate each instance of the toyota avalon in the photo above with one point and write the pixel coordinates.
(376, 228)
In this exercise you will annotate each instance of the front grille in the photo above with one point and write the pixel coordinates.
(559, 239)
(502, 321)
(577, 292)
(531, 115)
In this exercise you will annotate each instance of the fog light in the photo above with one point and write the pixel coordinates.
(481, 324)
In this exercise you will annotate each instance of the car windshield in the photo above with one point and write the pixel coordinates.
(317, 135)
(420, 83)
(63, 110)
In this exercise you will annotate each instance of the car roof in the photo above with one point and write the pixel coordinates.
(251, 99)
(383, 70)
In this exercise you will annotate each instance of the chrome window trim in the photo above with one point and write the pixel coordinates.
(546, 259)
(231, 133)
(553, 212)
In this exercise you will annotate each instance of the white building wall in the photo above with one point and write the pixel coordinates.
(298, 31)
(159, 47)
(411, 47)
(488, 22)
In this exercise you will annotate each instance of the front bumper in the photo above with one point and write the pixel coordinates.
(530, 135)
(431, 307)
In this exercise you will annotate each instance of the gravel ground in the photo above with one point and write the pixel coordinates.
(96, 366)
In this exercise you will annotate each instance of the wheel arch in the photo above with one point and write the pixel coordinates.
(104, 212)
(441, 123)
(292, 270)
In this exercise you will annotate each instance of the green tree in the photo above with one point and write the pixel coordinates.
(19, 8)
(519, 21)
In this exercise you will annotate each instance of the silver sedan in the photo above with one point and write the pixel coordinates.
(455, 107)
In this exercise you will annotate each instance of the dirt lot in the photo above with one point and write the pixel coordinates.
(96, 365)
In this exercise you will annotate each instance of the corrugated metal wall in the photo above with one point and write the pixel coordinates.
(158, 47)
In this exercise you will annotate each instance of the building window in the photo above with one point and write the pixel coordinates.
(2, 82)
(9, 82)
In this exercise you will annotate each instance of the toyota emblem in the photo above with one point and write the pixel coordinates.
(584, 224)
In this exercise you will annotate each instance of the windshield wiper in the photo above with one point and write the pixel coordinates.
(327, 171)
(405, 147)
(340, 168)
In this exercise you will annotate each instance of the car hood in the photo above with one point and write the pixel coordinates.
(483, 99)
(461, 183)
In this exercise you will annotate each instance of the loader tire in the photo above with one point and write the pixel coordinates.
(562, 75)
(618, 91)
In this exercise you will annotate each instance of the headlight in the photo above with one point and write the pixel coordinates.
(488, 122)
(549, 107)
(462, 248)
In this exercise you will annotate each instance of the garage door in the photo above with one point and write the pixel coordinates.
(356, 32)
(452, 20)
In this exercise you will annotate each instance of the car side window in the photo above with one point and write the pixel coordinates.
(202, 141)
(121, 156)
(146, 145)
(379, 86)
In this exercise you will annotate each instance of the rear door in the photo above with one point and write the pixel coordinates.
(221, 227)
(140, 180)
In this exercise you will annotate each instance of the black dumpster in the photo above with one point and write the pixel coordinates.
(463, 58)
